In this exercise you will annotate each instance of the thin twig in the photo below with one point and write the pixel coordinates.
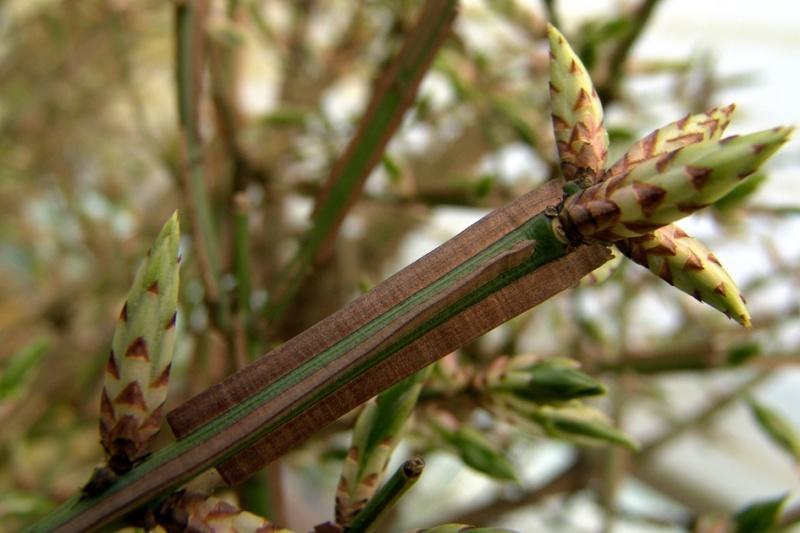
(395, 92)
(386, 496)
(703, 417)
(608, 87)
(189, 64)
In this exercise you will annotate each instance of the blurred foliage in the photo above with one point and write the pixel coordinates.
(89, 157)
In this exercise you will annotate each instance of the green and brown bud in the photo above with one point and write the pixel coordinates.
(550, 381)
(575, 422)
(581, 137)
(691, 129)
(686, 263)
(582, 424)
(664, 189)
(377, 431)
(192, 511)
(136, 377)
(474, 449)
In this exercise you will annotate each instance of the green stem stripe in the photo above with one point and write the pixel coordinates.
(208, 444)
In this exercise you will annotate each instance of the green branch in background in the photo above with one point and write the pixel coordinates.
(394, 94)
(189, 67)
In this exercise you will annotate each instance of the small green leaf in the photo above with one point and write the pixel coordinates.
(480, 453)
(392, 168)
(741, 353)
(551, 381)
(777, 428)
(484, 185)
(760, 517)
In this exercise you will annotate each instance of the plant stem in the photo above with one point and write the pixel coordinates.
(608, 88)
(189, 63)
(386, 496)
(394, 94)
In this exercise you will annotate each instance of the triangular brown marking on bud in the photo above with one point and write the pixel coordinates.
(741, 297)
(179, 259)
(641, 226)
(758, 147)
(106, 409)
(171, 322)
(664, 160)
(578, 133)
(698, 176)
(720, 288)
(664, 272)
(153, 422)
(343, 485)
(352, 453)
(745, 174)
(124, 436)
(726, 140)
(682, 122)
(602, 213)
(648, 196)
(693, 262)
(149, 251)
(665, 247)
(222, 509)
(686, 139)
(111, 365)
(648, 144)
(713, 258)
(138, 349)
(690, 208)
(163, 379)
(615, 182)
(553, 55)
(153, 288)
(123, 314)
(634, 250)
(131, 395)
(677, 233)
(712, 124)
(554, 89)
(697, 296)
(370, 480)
(573, 67)
(581, 100)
